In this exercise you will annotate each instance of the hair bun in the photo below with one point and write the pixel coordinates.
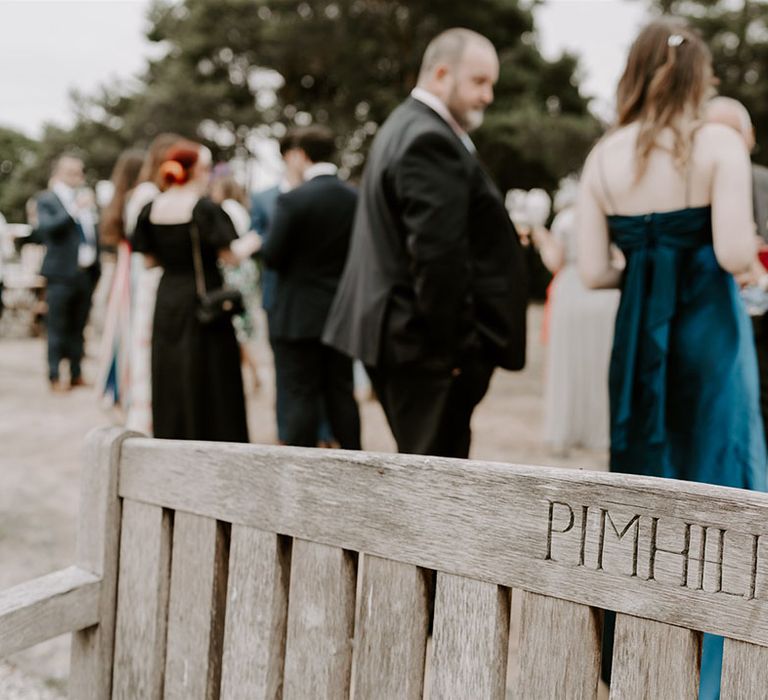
(173, 173)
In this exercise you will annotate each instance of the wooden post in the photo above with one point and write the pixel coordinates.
(98, 543)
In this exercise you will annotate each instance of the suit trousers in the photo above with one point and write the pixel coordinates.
(69, 303)
(430, 411)
(324, 432)
(312, 375)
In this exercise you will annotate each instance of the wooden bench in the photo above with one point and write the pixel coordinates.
(237, 571)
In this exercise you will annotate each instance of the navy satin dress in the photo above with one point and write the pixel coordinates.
(683, 381)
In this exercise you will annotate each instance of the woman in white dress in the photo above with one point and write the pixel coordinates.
(580, 335)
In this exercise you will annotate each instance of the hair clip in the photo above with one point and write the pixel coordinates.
(675, 40)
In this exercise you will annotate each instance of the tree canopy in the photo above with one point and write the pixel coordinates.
(234, 70)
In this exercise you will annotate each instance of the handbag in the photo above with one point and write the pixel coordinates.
(216, 304)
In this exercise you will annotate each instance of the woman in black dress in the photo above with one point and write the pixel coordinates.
(197, 387)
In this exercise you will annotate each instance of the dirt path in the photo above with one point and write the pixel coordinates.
(42, 436)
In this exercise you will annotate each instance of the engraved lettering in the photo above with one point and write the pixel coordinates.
(702, 557)
(752, 594)
(684, 552)
(735, 556)
(606, 516)
(720, 566)
(551, 525)
(583, 543)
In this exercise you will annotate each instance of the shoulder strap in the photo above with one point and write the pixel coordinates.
(197, 258)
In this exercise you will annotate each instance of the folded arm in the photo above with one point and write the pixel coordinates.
(52, 219)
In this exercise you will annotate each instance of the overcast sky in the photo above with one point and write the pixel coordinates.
(49, 47)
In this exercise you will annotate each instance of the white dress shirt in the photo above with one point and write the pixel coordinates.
(318, 169)
(438, 106)
(87, 252)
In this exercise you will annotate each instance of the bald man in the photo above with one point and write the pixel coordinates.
(433, 296)
(725, 110)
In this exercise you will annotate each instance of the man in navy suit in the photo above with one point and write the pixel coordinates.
(67, 228)
(262, 212)
(307, 247)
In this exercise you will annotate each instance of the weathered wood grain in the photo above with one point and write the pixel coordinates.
(559, 649)
(654, 660)
(257, 609)
(585, 537)
(321, 616)
(46, 607)
(142, 602)
(196, 608)
(470, 639)
(98, 543)
(390, 630)
(745, 671)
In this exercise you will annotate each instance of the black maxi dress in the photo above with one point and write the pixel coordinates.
(197, 385)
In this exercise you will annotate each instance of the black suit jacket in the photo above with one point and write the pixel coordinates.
(435, 269)
(60, 235)
(307, 247)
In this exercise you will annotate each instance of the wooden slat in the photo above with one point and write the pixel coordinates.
(470, 639)
(321, 613)
(46, 607)
(196, 608)
(564, 533)
(390, 631)
(568, 636)
(654, 660)
(745, 670)
(142, 602)
(257, 609)
(98, 543)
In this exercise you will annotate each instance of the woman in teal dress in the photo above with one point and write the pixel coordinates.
(674, 195)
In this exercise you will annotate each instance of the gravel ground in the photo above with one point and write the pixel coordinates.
(18, 685)
(42, 437)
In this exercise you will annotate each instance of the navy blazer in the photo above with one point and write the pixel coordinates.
(60, 235)
(307, 247)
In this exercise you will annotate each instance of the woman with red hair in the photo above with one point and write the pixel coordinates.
(197, 387)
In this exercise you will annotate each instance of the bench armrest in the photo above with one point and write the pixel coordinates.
(46, 607)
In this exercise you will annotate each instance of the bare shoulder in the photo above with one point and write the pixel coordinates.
(616, 145)
(718, 140)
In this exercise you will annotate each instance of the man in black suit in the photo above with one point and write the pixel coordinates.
(66, 226)
(307, 246)
(433, 295)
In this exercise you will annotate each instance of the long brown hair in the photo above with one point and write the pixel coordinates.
(125, 176)
(667, 78)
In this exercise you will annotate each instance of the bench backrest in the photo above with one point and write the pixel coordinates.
(251, 572)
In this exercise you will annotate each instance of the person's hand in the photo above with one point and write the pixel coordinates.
(755, 276)
(541, 236)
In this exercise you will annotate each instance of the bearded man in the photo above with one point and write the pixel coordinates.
(433, 296)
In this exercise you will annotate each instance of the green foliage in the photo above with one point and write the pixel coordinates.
(230, 69)
(737, 34)
(19, 154)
